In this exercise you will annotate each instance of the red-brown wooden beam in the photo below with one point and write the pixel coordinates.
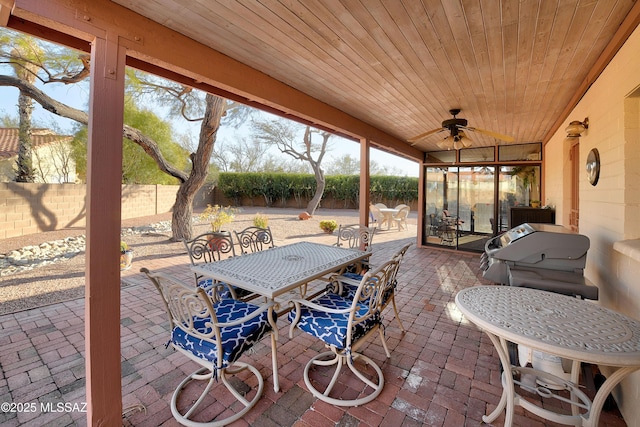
(365, 181)
(102, 286)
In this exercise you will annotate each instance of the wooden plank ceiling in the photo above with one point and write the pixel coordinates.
(512, 66)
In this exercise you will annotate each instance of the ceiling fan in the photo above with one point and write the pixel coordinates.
(457, 139)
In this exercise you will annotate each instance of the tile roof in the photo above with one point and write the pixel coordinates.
(40, 137)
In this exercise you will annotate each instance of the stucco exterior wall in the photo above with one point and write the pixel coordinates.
(53, 164)
(6, 169)
(608, 211)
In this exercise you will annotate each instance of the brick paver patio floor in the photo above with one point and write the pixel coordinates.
(442, 372)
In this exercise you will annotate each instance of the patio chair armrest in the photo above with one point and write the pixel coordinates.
(335, 282)
(348, 280)
(298, 302)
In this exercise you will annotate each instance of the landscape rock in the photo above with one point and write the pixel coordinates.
(30, 257)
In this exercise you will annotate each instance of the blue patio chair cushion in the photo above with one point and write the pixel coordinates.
(223, 292)
(235, 339)
(330, 327)
(349, 290)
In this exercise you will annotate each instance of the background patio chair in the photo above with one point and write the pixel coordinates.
(211, 247)
(401, 217)
(356, 236)
(215, 335)
(449, 227)
(254, 239)
(344, 325)
(376, 215)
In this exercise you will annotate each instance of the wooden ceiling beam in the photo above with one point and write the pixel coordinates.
(5, 11)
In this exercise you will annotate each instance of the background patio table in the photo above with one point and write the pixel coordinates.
(388, 215)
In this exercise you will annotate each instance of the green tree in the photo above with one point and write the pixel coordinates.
(7, 121)
(32, 60)
(137, 166)
(345, 165)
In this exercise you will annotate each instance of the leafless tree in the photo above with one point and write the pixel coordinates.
(285, 135)
(57, 162)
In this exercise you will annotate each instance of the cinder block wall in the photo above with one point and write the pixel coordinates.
(32, 208)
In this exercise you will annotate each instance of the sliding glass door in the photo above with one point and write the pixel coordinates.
(460, 204)
(468, 204)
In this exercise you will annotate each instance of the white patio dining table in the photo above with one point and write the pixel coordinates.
(388, 215)
(276, 271)
(560, 325)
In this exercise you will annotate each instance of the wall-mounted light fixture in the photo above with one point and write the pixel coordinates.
(575, 128)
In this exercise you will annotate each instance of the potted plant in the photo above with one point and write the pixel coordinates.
(126, 256)
(218, 216)
(328, 225)
(261, 220)
(535, 203)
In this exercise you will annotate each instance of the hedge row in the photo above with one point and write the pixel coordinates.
(279, 188)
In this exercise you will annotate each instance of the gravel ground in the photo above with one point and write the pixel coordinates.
(65, 280)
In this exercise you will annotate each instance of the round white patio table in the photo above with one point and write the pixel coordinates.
(388, 215)
(561, 325)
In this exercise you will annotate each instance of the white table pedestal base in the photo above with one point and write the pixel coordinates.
(584, 411)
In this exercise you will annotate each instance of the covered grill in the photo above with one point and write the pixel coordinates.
(541, 256)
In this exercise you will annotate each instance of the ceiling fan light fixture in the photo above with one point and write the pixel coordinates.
(446, 144)
(457, 138)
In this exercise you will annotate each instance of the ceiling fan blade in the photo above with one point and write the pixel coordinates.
(496, 135)
(422, 135)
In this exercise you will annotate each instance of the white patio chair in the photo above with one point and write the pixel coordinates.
(349, 282)
(344, 325)
(212, 247)
(356, 237)
(377, 216)
(215, 334)
(254, 239)
(401, 217)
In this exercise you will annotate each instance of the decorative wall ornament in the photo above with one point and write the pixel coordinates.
(593, 166)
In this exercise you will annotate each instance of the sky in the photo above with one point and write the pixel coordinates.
(76, 96)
